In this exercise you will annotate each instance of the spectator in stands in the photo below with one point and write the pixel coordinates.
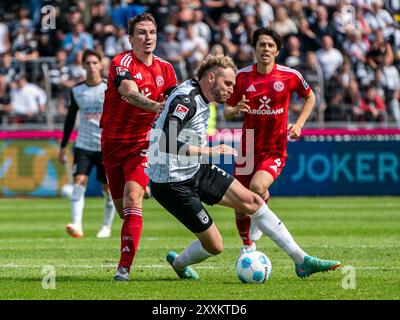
(312, 73)
(355, 47)
(123, 10)
(24, 45)
(77, 40)
(307, 37)
(362, 26)
(99, 15)
(22, 20)
(379, 48)
(61, 82)
(380, 19)
(292, 56)
(116, 41)
(4, 37)
(330, 58)
(5, 99)
(201, 28)
(194, 50)
(76, 70)
(226, 37)
(373, 106)
(171, 50)
(161, 12)
(391, 86)
(7, 67)
(323, 26)
(28, 101)
(265, 13)
(352, 101)
(296, 13)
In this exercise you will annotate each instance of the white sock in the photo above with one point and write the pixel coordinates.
(194, 253)
(77, 203)
(109, 209)
(271, 226)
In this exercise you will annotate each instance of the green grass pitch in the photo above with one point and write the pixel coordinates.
(363, 232)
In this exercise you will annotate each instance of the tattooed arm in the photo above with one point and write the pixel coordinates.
(129, 90)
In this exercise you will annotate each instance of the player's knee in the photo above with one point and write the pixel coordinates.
(258, 188)
(250, 203)
(215, 248)
(133, 199)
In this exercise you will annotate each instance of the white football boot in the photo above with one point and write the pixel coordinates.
(104, 232)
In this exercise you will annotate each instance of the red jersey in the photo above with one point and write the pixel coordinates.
(122, 121)
(269, 96)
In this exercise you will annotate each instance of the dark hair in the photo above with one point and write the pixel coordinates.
(139, 18)
(89, 52)
(267, 32)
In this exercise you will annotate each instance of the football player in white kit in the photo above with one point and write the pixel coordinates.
(87, 97)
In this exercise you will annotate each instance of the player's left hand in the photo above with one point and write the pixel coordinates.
(294, 131)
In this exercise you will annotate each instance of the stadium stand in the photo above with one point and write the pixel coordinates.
(348, 50)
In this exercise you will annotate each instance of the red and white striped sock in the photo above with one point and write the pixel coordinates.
(130, 235)
(243, 226)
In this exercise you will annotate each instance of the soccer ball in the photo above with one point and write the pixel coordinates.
(66, 190)
(253, 267)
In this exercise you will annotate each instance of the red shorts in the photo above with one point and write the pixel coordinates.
(124, 162)
(273, 164)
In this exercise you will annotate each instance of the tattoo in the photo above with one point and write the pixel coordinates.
(139, 100)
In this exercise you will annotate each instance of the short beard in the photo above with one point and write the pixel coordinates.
(218, 98)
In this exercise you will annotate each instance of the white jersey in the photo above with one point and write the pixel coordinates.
(89, 101)
(183, 122)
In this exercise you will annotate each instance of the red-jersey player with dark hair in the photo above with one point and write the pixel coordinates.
(262, 92)
(137, 83)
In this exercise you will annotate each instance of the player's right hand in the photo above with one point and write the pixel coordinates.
(222, 149)
(158, 107)
(242, 105)
(61, 156)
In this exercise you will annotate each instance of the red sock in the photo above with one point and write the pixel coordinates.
(243, 226)
(130, 235)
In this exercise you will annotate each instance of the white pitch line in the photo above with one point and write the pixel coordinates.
(101, 266)
(151, 266)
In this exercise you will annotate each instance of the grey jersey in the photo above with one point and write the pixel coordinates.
(183, 122)
(89, 100)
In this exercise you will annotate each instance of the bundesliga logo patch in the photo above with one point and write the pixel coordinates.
(180, 111)
(305, 84)
(121, 70)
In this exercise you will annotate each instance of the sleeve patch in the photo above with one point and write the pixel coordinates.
(305, 84)
(121, 70)
(180, 111)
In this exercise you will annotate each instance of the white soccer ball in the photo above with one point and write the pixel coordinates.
(253, 267)
(66, 190)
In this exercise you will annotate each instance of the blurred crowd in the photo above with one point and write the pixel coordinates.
(349, 50)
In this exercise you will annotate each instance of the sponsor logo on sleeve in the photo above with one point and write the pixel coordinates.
(121, 70)
(305, 84)
(180, 111)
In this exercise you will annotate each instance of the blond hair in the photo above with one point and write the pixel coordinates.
(213, 62)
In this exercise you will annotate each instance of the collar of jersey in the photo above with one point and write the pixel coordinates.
(196, 84)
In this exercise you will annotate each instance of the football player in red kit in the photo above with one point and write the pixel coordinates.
(137, 83)
(262, 92)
